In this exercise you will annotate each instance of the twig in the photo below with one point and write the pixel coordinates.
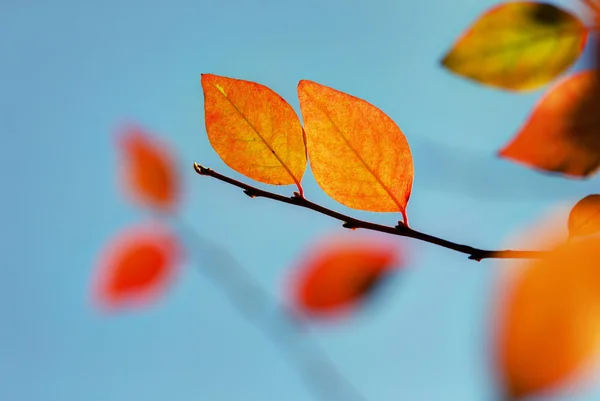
(352, 223)
(317, 372)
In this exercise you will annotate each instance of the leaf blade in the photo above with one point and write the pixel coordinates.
(136, 266)
(584, 218)
(254, 130)
(549, 329)
(148, 170)
(562, 134)
(338, 275)
(518, 46)
(358, 155)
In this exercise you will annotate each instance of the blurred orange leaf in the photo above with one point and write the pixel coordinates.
(339, 275)
(584, 218)
(358, 155)
(136, 266)
(149, 171)
(563, 132)
(551, 328)
(593, 6)
(254, 130)
(518, 46)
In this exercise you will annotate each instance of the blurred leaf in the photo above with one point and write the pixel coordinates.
(336, 276)
(584, 218)
(137, 266)
(550, 328)
(149, 171)
(563, 132)
(254, 130)
(593, 7)
(358, 155)
(518, 46)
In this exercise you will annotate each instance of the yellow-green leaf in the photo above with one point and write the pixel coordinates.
(358, 155)
(518, 46)
(584, 218)
(254, 130)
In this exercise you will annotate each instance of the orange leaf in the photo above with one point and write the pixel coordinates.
(593, 6)
(563, 132)
(339, 275)
(358, 155)
(518, 46)
(254, 130)
(551, 328)
(137, 266)
(149, 171)
(584, 218)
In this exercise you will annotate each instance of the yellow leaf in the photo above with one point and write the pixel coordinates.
(254, 130)
(584, 218)
(550, 328)
(358, 155)
(518, 46)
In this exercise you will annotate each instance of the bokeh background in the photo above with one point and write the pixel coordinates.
(73, 72)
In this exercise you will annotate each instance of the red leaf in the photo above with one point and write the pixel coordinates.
(563, 131)
(149, 171)
(137, 266)
(338, 276)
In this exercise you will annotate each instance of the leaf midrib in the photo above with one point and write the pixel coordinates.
(296, 181)
(385, 188)
(515, 46)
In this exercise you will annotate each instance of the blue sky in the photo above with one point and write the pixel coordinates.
(72, 72)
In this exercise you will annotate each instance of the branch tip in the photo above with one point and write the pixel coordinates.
(200, 169)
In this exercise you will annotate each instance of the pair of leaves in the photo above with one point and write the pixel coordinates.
(139, 263)
(518, 46)
(358, 155)
(522, 46)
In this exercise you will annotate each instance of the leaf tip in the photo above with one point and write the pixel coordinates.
(444, 60)
(302, 83)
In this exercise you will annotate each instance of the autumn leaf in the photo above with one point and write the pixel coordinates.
(358, 155)
(518, 46)
(338, 275)
(593, 7)
(584, 218)
(136, 267)
(254, 130)
(148, 170)
(550, 326)
(562, 134)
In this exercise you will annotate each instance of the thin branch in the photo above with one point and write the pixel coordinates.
(352, 223)
(317, 372)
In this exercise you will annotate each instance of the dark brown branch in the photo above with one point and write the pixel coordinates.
(352, 223)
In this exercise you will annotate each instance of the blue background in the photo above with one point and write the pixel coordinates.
(72, 72)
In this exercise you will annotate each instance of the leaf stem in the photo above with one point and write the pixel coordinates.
(401, 230)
